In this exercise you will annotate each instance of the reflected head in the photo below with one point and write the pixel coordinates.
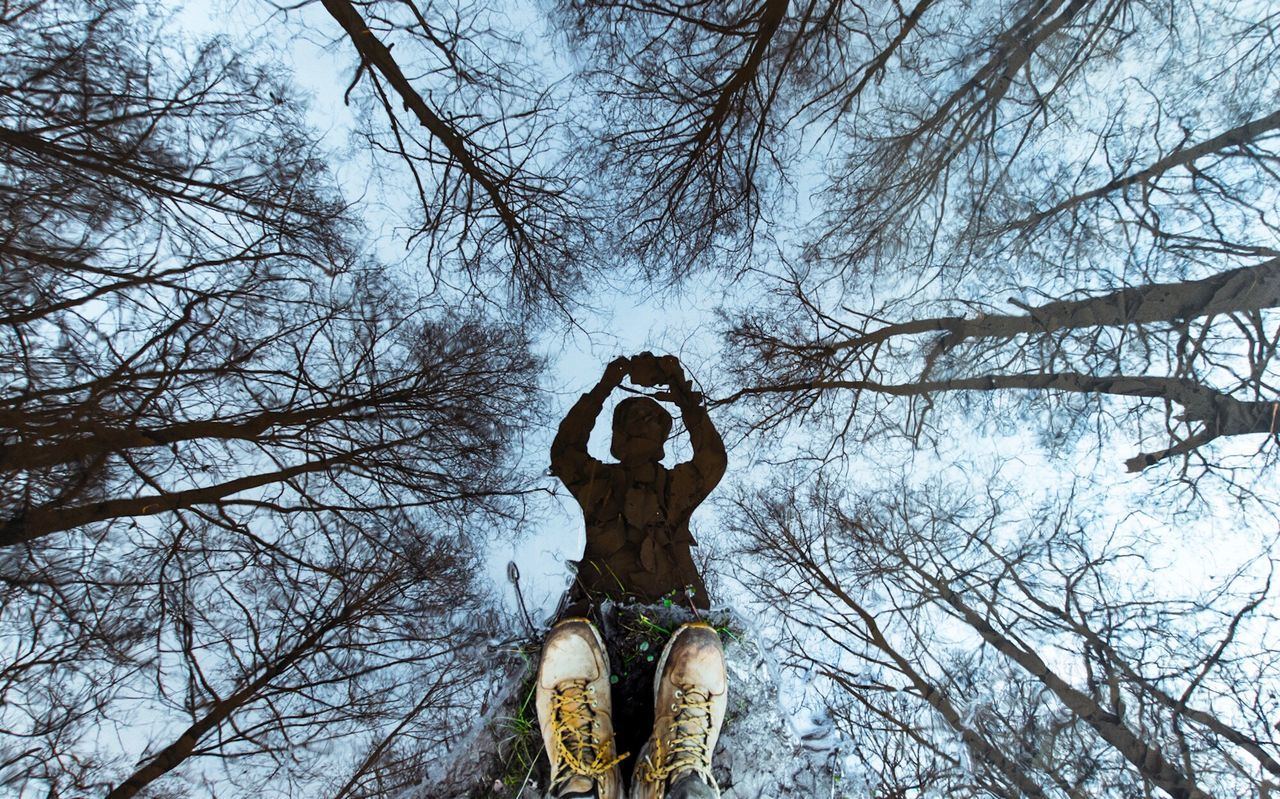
(640, 429)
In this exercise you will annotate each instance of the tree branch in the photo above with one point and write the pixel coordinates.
(376, 53)
(1185, 156)
(44, 520)
(1147, 759)
(1247, 288)
(1221, 414)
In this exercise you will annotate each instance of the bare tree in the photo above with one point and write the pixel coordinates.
(703, 104)
(461, 114)
(947, 195)
(1097, 683)
(1193, 357)
(274, 677)
(881, 688)
(713, 107)
(242, 464)
(1003, 251)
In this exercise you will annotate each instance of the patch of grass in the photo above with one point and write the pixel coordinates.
(651, 627)
(646, 630)
(726, 631)
(521, 741)
(642, 641)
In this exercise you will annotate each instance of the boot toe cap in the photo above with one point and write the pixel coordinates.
(572, 651)
(698, 661)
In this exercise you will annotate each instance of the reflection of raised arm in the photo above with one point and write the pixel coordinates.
(569, 456)
(709, 458)
(707, 466)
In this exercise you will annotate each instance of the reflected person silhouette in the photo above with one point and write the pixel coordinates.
(637, 511)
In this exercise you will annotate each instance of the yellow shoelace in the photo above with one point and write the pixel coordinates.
(582, 751)
(687, 747)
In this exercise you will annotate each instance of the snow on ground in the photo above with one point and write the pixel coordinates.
(761, 753)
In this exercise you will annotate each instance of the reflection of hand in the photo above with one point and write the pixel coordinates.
(650, 370)
(645, 370)
(671, 370)
(615, 371)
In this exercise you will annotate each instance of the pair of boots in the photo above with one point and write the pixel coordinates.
(575, 713)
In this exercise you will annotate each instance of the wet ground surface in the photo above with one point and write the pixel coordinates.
(759, 753)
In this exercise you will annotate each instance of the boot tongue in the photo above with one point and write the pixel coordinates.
(578, 787)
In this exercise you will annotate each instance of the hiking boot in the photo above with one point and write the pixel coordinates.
(690, 696)
(574, 712)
